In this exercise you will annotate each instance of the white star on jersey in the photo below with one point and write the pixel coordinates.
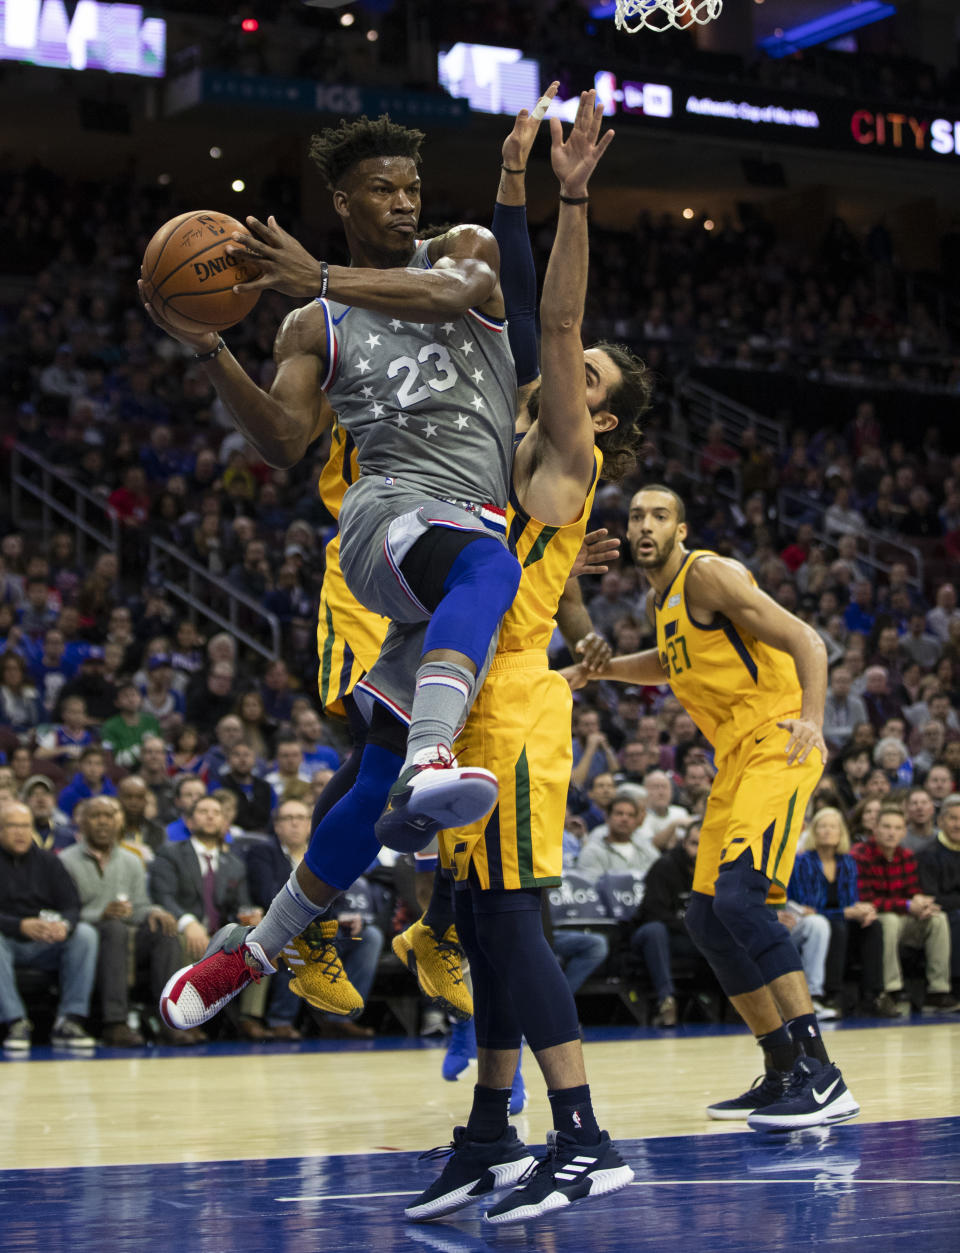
(447, 327)
(477, 376)
(363, 365)
(366, 392)
(477, 403)
(462, 421)
(377, 409)
(466, 348)
(431, 429)
(372, 341)
(402, 419)
(395, 325)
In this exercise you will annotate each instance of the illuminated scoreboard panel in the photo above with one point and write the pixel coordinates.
(97, 36)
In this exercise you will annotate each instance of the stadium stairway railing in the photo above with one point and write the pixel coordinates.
(45, 493)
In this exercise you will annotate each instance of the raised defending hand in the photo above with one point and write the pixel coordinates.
(517, 145)
(596, 551)
(805, 735)
(575, 158)
(283, 262)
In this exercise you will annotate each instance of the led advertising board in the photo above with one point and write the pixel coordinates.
(112, 37)
(502, 80)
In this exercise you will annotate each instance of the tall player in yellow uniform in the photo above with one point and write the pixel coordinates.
(519, 729)
(753, 678)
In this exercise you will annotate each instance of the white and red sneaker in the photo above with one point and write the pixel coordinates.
(433, 794)
(194, 994)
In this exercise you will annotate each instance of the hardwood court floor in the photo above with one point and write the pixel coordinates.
(304, 1149)
(273, 1101)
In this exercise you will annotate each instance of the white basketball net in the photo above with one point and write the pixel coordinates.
(661, 15)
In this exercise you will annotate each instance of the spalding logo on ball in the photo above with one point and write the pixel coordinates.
(188, 275)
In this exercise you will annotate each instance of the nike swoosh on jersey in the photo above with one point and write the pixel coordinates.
(761, 738)
(820, 1097)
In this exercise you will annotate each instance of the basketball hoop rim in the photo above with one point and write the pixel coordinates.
(659, 16)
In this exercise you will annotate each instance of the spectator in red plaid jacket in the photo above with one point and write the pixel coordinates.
(889, 880)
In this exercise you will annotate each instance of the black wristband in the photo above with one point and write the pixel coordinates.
(324, 279)
(507, 170)
(573, 199)
(214, 352)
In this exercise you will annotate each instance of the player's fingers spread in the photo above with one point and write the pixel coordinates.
(605, 142)
(556, 132)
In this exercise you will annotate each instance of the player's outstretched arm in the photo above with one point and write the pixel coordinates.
(564, 432)
(280, 424)
(465, 274)
(643, 669)
(518, 274)
(718, 585)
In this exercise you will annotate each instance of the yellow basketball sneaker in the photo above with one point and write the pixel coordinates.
(319, 976)
(436, 966)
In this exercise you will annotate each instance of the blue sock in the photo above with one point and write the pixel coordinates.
(344, 844)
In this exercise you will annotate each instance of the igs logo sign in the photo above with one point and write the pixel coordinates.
(112, 37)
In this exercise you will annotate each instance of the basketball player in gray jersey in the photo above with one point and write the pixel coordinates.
(422, 529)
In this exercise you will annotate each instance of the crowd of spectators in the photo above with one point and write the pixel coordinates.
(106, 684)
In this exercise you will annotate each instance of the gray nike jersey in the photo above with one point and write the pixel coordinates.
(429, 405)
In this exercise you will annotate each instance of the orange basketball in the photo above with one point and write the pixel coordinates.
(188, 275)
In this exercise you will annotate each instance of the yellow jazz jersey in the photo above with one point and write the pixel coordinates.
(727, 680)
(736, 689)
(348, 635)
(519, 726)
(546, 554)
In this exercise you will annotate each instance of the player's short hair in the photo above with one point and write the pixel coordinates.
(628, 401)
(678, 504)
(337, 149)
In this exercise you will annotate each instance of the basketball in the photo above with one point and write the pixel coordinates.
(188, 275)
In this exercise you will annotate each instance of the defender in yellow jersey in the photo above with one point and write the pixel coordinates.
(349, 637)
(737, 688)
(753, 677)
(520, 721)
(518, 727)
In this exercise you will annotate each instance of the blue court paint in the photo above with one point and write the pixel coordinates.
(860, 1187)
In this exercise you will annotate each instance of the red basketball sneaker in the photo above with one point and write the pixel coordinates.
(194, 994)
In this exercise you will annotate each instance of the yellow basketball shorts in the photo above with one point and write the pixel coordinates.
(757, 802)
(519, 728)
(348, 640)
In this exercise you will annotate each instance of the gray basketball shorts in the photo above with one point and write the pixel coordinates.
(392, 678)
(379, 524)
(380, 521)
